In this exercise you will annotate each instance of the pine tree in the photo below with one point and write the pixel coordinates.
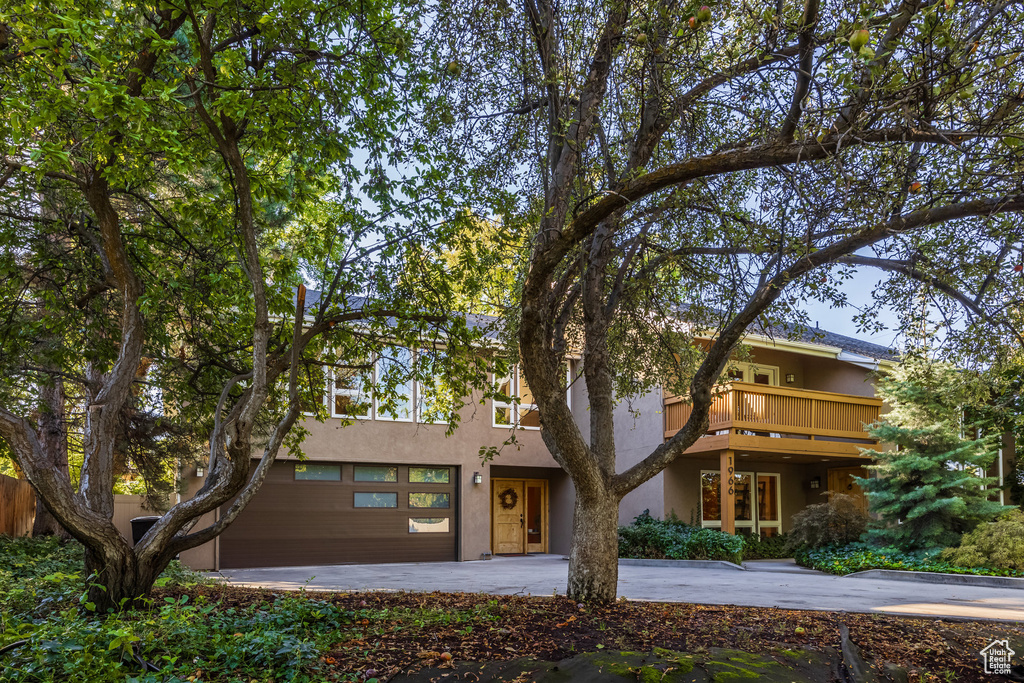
(930, 486)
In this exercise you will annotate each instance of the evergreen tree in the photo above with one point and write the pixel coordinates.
(930, 486)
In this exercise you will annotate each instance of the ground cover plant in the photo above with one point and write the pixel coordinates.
(757, 547)
(218, 633)
(205, 632)
(857, 557)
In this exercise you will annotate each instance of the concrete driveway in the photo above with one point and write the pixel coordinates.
(764, 585)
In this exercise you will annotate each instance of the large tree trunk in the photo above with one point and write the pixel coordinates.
(53, 439)
(117, 579)
(594, 557)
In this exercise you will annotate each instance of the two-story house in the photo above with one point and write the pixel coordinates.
(389, 486)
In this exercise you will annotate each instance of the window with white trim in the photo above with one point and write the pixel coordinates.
(523, 413)
(394, 366)
(350, 395)
(436, 400)
(313, 389)
(753, 373)
(519, 410)
(503, 411)
(758, 506)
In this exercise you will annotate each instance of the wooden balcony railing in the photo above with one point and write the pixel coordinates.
(781, 411)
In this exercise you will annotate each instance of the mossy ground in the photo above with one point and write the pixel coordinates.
(715, 665)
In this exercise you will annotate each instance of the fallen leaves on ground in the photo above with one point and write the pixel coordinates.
(392, 632)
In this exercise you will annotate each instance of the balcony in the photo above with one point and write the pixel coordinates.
(802, 424)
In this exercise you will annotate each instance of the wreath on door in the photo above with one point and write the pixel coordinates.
(508, 499)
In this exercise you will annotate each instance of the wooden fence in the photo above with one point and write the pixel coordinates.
(17, 506)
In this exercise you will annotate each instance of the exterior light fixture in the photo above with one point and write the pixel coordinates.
(790, 378)
(200, 471)
(478, 478)
(815, 482)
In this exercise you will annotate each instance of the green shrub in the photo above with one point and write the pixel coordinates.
(838, 522)
(997, 545)
(766, 547)
(856, 557)
(38, 574)
(672, 539)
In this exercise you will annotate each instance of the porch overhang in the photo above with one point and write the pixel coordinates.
(780, 449)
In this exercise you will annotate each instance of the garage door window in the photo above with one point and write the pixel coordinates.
(309, 472)
(365, 499)
(428, 500)
(428, 475)
(375, 473)
(428, 525)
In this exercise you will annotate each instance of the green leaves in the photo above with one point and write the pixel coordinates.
(932, 487)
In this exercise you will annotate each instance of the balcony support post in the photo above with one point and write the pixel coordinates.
(727, 496)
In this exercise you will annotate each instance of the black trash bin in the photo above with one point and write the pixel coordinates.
(140, 525)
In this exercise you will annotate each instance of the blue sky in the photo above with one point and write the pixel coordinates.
(840, 320)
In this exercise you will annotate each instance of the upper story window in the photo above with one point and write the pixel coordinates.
(435, 399)
(510, 413)
(348, 388)
(350, 397)
(754, 374)
(523, 414)
(313, 389)
(394, 367)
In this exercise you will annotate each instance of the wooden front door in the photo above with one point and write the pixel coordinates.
(519, 516)
(841, 480)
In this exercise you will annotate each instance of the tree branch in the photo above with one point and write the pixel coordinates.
(804, 70)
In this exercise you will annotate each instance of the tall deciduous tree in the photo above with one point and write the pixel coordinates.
(172, 173)
(702, 172)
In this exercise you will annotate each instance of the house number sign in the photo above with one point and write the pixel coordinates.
(732, 479)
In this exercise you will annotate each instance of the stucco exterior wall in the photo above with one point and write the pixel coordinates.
(639, 429)
(825, 374)
(816, 373)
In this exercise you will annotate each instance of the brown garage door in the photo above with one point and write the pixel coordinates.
(337, 513)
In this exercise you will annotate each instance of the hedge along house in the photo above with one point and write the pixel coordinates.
(381, 485)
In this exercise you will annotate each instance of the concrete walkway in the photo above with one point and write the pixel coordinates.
(787, 586)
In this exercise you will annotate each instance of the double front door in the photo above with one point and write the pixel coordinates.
(519, 516)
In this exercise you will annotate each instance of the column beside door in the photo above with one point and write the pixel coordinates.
(727, 468)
